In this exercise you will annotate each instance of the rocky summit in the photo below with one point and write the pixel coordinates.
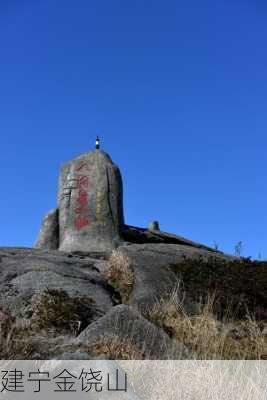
(89, 216)
(94, 287)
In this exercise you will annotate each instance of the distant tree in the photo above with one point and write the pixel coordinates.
(216, 246)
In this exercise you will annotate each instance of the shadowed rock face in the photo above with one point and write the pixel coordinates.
(90, 203)
(49, 233)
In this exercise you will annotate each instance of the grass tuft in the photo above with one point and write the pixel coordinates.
(120, 275)
(15, 341)
(116, 348)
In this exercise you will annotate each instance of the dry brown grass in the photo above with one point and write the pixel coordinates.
(15, 338)
(208, 337)
(54, 313)
(116, 348)
(120, 275)
(56, 309)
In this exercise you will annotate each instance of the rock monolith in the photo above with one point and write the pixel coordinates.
(90, 203)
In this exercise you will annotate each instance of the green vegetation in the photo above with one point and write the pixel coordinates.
(238, 285)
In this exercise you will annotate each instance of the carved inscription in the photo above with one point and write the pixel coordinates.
(100, 198)
(81, 203)
(78, 190)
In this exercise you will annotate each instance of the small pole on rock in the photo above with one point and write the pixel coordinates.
(97, 143)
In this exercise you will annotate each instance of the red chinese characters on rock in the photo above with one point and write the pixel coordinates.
(81, 222)
(81, 210)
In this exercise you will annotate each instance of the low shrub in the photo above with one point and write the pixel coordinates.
(239, 285)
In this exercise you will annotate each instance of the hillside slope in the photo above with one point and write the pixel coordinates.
(50, 301)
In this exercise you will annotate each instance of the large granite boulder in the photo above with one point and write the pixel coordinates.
(153, 276)
(129, 325)
(90, 202)
(49, 233)
(25, 273)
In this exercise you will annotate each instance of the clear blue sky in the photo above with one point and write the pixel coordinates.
(176, 89)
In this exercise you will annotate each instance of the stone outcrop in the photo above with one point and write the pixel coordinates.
(151, 264)
(153, 226)
(49, 233)
(126, 323)
(27, 272)
(133, 234)
(89, 216)
(78, 299)
(90, 203)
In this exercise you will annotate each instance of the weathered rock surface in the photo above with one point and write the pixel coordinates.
(152, 275)
(26, 272)
(49, 233)
(133, 234)
(128, 324)
(90, 202)
(90, 217)
(153, 226)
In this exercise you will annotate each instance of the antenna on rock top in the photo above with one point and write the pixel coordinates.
(97, 143)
